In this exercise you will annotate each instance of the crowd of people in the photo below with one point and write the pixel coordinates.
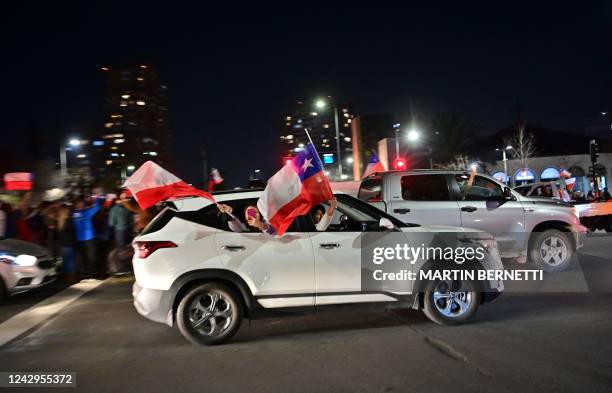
(82, 231)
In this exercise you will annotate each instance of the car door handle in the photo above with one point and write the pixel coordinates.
(329, 246)
(401, 211)
(529, 209)
(233, 248)
(468, 209)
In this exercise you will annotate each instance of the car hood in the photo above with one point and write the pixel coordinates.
(18, 247)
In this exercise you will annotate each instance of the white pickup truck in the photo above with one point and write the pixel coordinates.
(546, 232)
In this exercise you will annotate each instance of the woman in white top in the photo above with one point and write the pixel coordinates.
(320, 218)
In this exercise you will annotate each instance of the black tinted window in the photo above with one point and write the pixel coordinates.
(425, 188)
(371, 189)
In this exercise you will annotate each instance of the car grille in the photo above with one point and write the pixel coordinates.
(45, 262)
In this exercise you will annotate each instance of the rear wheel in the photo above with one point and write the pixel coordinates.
(209, 314)
(551, 250)
(450, 302)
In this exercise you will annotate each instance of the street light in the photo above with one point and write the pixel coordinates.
(505, 159)
(74, 142)
(413, 135)
(321, 104)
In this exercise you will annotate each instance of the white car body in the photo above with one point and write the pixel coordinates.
(295, 270)
(24, 266)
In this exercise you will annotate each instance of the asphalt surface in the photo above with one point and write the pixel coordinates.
(526, 342)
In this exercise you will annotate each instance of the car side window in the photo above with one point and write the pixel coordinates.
(371, 189)
(425, 188)
(482, 189)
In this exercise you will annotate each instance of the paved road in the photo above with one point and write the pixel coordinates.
(522, 342)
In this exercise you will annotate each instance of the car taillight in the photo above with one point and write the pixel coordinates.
(145, 248)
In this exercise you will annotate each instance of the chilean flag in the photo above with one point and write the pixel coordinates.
(151, 184)
(294, 190)
(374, 166)
(18, 181)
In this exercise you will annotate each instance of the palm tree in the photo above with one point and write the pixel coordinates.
(454, 134)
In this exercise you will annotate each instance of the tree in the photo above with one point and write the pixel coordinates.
(459, 163)
(523, 145)
(455, 133)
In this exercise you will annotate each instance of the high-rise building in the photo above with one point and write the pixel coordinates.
(321, 118)
(136, 120)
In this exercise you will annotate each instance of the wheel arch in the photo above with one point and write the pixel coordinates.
(189, 280)
(553, 224)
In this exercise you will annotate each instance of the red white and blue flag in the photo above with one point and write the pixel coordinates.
(374, 166)
(18, 181)
(151, 184)
(294, 190)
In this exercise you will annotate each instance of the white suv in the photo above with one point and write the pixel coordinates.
(193, 271)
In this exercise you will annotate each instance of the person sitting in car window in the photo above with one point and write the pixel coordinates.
(252, 217)
(322, 220)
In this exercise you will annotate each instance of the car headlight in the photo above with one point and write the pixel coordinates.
(21, 260)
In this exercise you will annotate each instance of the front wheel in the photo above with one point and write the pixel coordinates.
(209, 314)
(450, 302)
(551, 250)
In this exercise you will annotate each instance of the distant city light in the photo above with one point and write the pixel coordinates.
(119, 140)
(320, 104)
(104, 68)
(153, 153)
(349, 160)
(98, 143)
(81, 156)
(74, 142)
(140, 103)
(131, 167)
(313, 113)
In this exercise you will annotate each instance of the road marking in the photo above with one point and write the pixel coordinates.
(44, 310)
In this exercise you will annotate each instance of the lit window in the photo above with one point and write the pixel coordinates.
(325, 125)
(81, 156)
(347, 139)
(344, 110)
(98, 143)
(349, 121)
(120, 140)
(288, 117)
(140, 103)
(108, 162)
(153, 153)
(116, 116)
(143, 66)
(313, 113)
(114, 147)
(289, 136)
(139, 79)
(108, 125)
(123, 103)
(301, 145)
(125, 96)
(104, 68)
(346, 115)
(114, 155)
(288, 124)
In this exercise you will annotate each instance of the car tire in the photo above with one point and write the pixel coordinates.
(450, 302)
(551, 250)
(209, 314)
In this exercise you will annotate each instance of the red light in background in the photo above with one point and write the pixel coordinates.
(399, 164)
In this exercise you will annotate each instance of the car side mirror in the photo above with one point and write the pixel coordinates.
(508, 193)
(386, 223)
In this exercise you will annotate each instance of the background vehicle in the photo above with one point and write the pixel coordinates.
(545, 231)
(24, 266)
(593, 215)
(192, 270)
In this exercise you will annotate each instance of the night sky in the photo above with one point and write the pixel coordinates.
(232, 72)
